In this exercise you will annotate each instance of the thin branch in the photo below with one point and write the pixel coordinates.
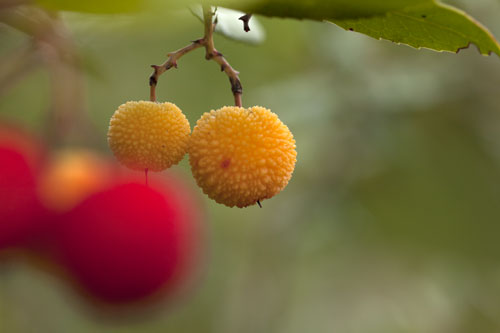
(209, 31)
(171, 62)
(210, 54)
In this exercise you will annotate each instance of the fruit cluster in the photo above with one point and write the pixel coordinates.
(238, 156)
(96, 224)
(120, 240)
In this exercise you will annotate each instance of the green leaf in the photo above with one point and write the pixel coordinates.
(434, 26)
(320, 9)
(229, 25)
(418, 23)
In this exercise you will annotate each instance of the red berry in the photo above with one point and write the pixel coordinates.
(21, 213)
(124, 244)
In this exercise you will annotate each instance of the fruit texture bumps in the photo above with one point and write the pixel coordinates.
(148, 135)
(240, 156)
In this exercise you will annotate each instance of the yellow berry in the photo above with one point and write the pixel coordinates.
(148, 135)
(240, 156)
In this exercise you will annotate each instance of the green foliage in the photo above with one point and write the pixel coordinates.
(322, 9)
(418, 23)
(433, 26)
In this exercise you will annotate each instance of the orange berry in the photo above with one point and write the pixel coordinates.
(148, 135)
(71, 176)
(240, 156)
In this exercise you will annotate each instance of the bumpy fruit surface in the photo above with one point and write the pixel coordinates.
(148, 135)
(239, 156)
(126, 243)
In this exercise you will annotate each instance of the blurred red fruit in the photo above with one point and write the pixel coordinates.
(127, 243)
(21, 213)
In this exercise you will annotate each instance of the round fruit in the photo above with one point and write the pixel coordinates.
(71, 176)
(241, 156)
(124, 244)
(148, 135)
(21, 213)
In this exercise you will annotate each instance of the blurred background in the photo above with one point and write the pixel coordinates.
(390, 222)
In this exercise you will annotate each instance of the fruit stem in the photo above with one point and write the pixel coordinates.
(237, 100)
(210, 54)
(171, 62)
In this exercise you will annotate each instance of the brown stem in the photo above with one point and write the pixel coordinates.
(237, 100)
(210, 54)
(171, 62)
(209, 31)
